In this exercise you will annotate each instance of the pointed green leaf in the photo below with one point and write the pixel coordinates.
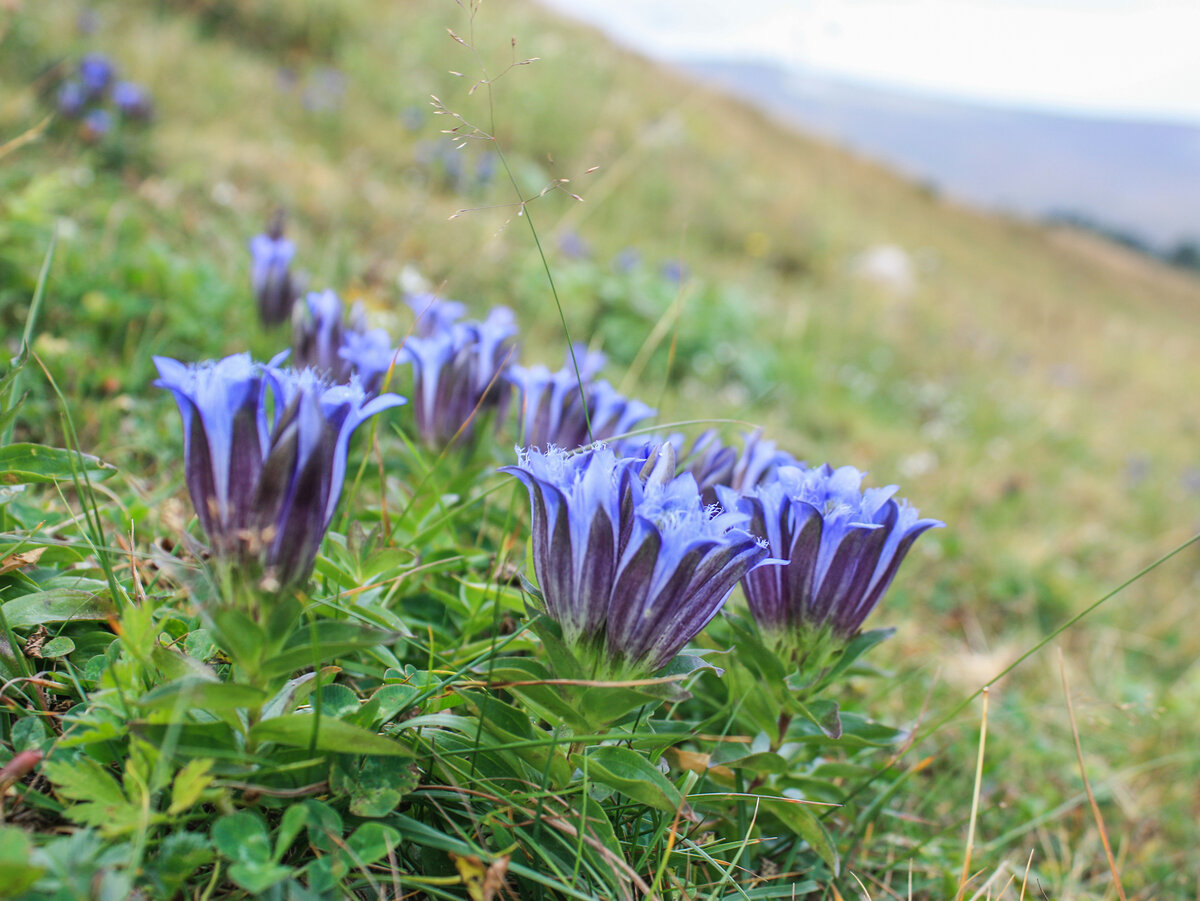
(633, 775)
(296, 730)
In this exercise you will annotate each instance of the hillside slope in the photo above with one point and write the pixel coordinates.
(1032, 388)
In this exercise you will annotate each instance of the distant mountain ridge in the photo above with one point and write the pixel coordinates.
(1127, 175)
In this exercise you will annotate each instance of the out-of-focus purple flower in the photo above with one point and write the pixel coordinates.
(318, 333)
(324, 91)
(485, 168)
(132, 100)
(434, 314)
(95, 125)
(674, 271)
(631, 565)
(458, 372)
(843, 546)
(412, 118)
(551, 404)
(96, 73)
(371, 355)
(71, 99)
(265, 456)
(714, 463)
(627, 260)
(573, 247)
(340, 347)
(270, 273)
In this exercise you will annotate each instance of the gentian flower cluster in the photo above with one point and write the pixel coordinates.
(319, 331)
(457, 373)
(82, 96)
(340, 347)
(434, 314)
(131, 100)
(714, 463)
(630, 563)
(551, 404)
(265, 456)
(843, 546)
(270, 273)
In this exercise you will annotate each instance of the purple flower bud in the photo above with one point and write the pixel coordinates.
(457, 373)
(843, 546)
(265, 456)
(131, 100)
(270, 274)
(71, 99)
(96, 73)
(631, 565)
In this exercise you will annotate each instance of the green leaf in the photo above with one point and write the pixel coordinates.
(192, 691)
(857, 646)
(58, 605)
(822, 713)
(375, 785)
(83, 779)
(242, 838)
(633, 775)
(288, 698)
(800, 818)
(294, 819)
(296, 730)
(17, 872)
(178, 858)
(23, 464)
(57, 647)
(371, 842)
(189, 785)
(325, 640)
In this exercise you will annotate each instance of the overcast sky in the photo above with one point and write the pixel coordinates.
(1125, 57)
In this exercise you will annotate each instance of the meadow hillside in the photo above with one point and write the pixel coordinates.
(1033, 388)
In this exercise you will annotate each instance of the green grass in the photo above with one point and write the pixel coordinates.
(1034, 391)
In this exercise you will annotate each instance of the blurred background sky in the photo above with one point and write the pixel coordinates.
(1122, 57)
(1083, 110)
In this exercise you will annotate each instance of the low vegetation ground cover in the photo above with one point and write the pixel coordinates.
(1030, 389)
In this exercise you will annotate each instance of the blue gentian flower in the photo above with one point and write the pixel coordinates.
(434, 314)
(371, 356)
(71, 99)
(630, 564)
(485, 168)
(843, 546)
(96, 73)
(674, 271)
(265, 456)
(270, 274)
(627, 260)
(551, 404)
(131, 100)
(319, 332)
(573, 247)
(459, 372)
(714, 463)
